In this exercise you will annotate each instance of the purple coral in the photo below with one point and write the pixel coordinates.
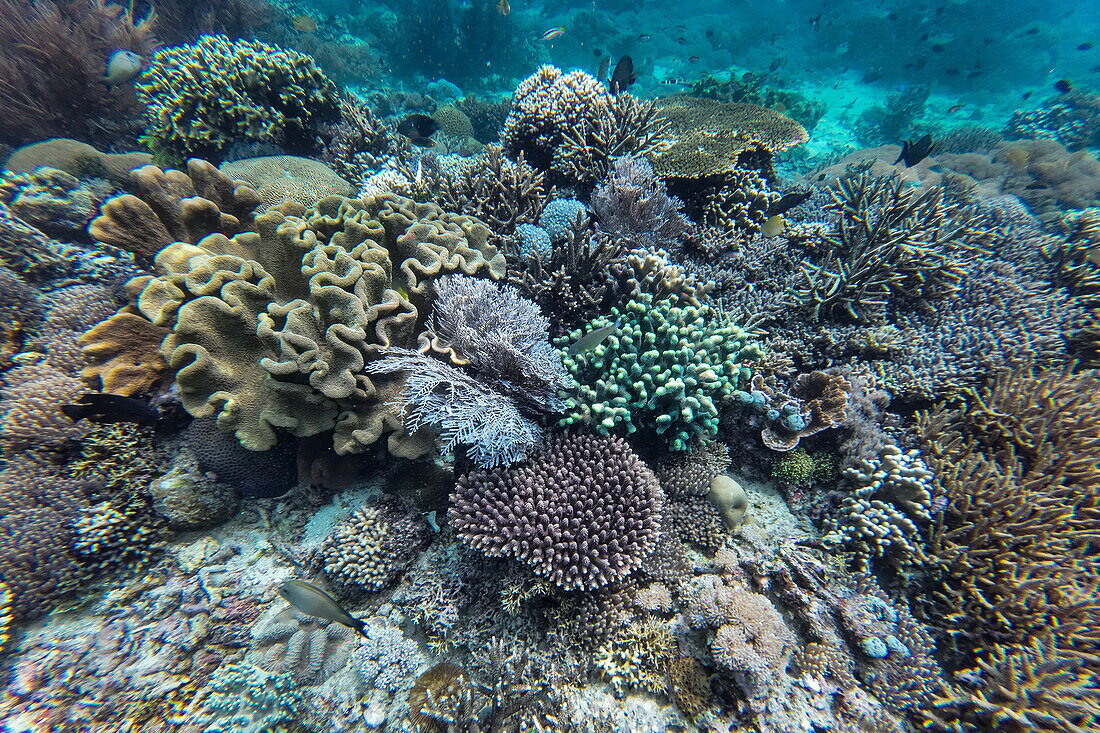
(584, 512)
(633, 203)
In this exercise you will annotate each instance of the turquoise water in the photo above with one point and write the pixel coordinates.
(579, 367)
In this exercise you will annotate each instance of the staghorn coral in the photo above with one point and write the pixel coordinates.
(540, 512)
(636, 657)
(354, 145)
(632, 203)
(675, 387)
(52, 54)
(371, 548)
(571, 127)
(890, 244)
(200, 98)
(280, 341)
(167, 206)
(122, 355)
(1009, 553)
(1073, 119)
(280, 178)
(502, 193)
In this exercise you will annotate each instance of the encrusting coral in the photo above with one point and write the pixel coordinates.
(201, 98)
(543, 512)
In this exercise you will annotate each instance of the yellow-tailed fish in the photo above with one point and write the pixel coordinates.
(774, 226)
(311, 600)
(304, 23)
(552, 33)
(591, 340)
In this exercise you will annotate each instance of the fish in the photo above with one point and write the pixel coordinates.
(693, 59)
(1084, 46)
(780, 108)
(504, 8)
(1063, 86)
(644, 36)
(681, 40)
(677, 83)
(591, 340)
(775, 64)
(623, 76)
(1093, 256)
(304, 23)
(603, 68)
(311, 600)
(914, 152)
(1025, 96)
(789, 200)
(103, 407)
(417, 125)
(122, 66)
(774, 226)
(955, 108)
(552, 33)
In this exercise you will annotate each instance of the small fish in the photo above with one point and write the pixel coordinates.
(623, 76)
(103, 407)
(603, 68)
(644, 36)
(552, 33)
(504, 8)
(1063, 86)
(693, 59)
(591, 340)
(677, 83)
(774, 226)
(914, 152)
(955, 108)
(304, 23)
(789, 200)
(311, 600)
(681, 40)
(1084, 46)
(417, 125)
(122, 66)
(775, 64)
(1025, 96)
(780, 108)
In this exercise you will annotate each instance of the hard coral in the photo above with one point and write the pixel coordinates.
(634, 204)
(666, 369)
(571, 127)
(542, 512)
(502, 193)
(201, 98)
(371, 548)
(279, 178)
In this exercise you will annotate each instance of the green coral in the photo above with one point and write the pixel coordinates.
(272, 329)
(243, 698)
(795, 467)
(200, 98)
(666, 368)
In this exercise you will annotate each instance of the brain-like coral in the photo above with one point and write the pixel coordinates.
(307, 648)
(279, 178)
(570, 126)
(584, 512)
(372, 547)
(272, 328)
(664, 368)
(203, 97)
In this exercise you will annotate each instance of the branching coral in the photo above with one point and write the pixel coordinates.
(570, 126)
(890, 243)
(502, 193)
(664, 368)
(203, 97)
(372, 547)
(544, 512)
(634, 204)
(1072, 119)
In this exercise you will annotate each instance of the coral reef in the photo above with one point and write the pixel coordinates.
(243, 698)
(689, 370)
(280, 178)
(201, 98)
(309, 649)
(1073, 119)
(385, 659)
(504, 194)
(634, 204)
(370, 548)
(541, 512)
(122, 355)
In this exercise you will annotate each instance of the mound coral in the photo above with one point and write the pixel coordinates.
(584, 512)
(201, 98)
(309, 649)
(279, 178)
(665, 368)
(77, 159)
(571, 127)
(372, 547)
(272, 329)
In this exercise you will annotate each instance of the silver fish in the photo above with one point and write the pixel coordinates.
(122, 66)
(311, 600)
(591, 340)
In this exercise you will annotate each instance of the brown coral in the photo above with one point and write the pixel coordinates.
(169, 206)
(123, 355)
(280, 178)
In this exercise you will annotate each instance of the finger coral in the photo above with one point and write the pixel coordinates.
(584, 512)
(665, 369)
(201, 98)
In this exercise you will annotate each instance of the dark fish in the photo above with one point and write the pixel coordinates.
(815, 20)
(681, 40)
(775, 64)
(1026, 95)
(1031, 31)
(644, 36)
(101, 407)
(955, 108)
(417, 125)
(1063, 86)
(623, 76)
(788, 201)
(1084, 46)
(605, 65)
(913, 153)
(693, 59)
(311, 600)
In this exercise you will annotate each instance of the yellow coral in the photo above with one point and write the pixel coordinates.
(123, 354)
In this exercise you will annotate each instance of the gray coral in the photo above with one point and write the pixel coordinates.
(307, 648)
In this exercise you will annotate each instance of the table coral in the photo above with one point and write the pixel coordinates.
(203, 97)
(667, 369)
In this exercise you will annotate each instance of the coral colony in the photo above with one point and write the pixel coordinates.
(450, 367)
